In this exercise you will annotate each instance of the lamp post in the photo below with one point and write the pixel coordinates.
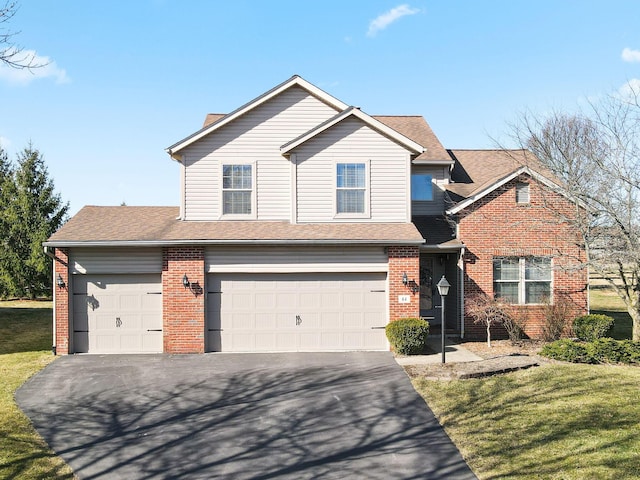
(443, 290)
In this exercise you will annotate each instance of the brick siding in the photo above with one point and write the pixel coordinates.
(183, 309)
(401, 260)
(61, 267)
(497, 226)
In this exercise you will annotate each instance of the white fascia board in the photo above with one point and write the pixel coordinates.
(295, 80)
(160, 243)
(483, 193)
(367, 119)
(433, 162)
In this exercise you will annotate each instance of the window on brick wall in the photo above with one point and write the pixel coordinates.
(522, 192)
(522, 280)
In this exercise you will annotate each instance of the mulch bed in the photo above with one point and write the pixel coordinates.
(502, 357)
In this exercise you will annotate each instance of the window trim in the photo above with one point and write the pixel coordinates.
(522, 278)
(238, 216)
(367, 189)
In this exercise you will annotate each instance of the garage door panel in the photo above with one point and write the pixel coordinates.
(120, 313)
(296, 312)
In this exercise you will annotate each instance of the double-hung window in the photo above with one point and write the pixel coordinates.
(351, 188)
(522, 280)
(237, 189)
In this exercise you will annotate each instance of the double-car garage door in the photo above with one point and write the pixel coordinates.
(296, 312)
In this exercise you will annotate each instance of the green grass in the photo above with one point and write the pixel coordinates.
(558, 421)
(25, 348)
(606, 302)
(553, 422)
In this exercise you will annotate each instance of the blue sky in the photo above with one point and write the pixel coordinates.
(126, 79)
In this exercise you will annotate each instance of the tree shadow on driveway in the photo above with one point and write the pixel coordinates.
(259, 416)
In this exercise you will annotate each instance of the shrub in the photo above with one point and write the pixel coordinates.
(556, 318)
(567, 350)
(601, 350)
(514, 323)
(591, 327)
(408, 336)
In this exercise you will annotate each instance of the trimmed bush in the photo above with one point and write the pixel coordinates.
(601, 350)
(592, 327)
(408, 336)
(567, 350)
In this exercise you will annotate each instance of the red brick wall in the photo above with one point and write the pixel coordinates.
(183, 309)
(61, 267)
(401, 260)
(497, 226)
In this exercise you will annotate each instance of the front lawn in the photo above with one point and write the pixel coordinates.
(25, 348)
(558, 421)
(552, 422)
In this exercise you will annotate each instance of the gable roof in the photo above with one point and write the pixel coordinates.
(156, 226)
(417, 129)
(296, 80)
(372, 122)
(476, 173)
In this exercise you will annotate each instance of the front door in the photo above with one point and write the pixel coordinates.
(430, 272)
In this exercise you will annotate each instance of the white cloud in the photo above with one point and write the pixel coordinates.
(25, 76)
(629, 55)
(630, 90)
(387, 18)
(5, 143)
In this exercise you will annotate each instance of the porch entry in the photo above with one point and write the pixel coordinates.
(432, 268)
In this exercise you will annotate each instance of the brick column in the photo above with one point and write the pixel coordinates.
(403, 260)
(61, 307)
(183, 309)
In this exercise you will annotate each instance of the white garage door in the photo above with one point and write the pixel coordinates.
(117, 313)
(296, 312)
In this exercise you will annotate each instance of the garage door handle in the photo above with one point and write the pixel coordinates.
(378, 291)
(154, 293)
(154, 330)
(378, 328)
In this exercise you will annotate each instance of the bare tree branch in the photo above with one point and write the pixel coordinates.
(11, 54)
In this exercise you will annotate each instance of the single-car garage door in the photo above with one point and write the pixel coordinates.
(296, 312)
(117, 313)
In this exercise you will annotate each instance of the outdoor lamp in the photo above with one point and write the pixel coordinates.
(443, 290)
(185, 281)
(443, 287)
(60, 281)
(405, 280)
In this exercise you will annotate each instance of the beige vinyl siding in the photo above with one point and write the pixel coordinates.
(116, 260)
(351, 141)
(254, 137)
(295, 259)
(440, 177)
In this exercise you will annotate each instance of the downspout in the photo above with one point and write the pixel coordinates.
(48, 253)
(461, 288)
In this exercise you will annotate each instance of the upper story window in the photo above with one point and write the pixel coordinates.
(522, 192)
(351, 188)
(421, 187)
(237, 189)
(522, 280)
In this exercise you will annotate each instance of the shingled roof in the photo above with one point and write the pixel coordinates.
(476, 170)
(160, 226)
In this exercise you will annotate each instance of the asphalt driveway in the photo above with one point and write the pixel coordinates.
(258, 416)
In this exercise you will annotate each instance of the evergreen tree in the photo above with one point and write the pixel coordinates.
(32, 212)
(6, 195)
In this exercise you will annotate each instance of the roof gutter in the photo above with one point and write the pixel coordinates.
(162, 243)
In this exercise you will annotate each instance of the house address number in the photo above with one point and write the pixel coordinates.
(404, 299)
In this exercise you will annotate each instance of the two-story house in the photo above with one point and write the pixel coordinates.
(306, 224)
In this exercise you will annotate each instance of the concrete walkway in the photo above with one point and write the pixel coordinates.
(454, 353)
